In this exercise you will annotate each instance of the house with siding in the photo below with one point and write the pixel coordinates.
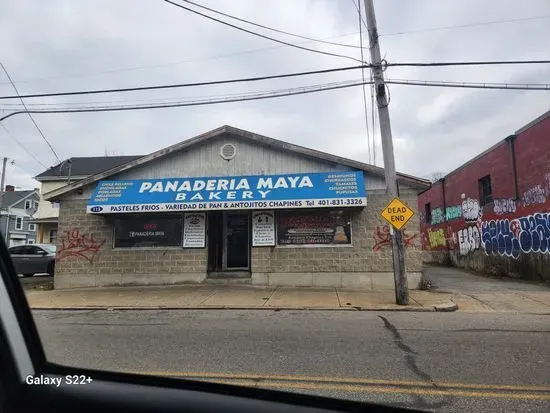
(492, 214)
(16, 211)
(70, 170)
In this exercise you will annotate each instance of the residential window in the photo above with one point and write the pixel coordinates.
(53, 236)
(28, 204)
(30, 241)
(485, 192)
(319, 227)
(148, 231)
(32, 227)
(19, 223)
(428, 213)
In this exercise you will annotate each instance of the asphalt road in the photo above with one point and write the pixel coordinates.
(448, 362)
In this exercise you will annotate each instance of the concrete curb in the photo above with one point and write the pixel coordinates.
(279, 308)
(447, 307)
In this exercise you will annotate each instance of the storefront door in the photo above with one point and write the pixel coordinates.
(236, 251)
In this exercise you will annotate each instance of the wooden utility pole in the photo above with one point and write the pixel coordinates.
(398, 255)
(3, 178)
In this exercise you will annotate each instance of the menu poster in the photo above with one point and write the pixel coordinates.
(318, 227)
(263, 229)
(194, 230)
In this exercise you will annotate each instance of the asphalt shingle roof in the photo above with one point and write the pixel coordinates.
(11, 197)
(86, 166)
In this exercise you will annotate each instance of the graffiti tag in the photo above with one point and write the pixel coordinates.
(471, 210)
(535, 195)
(453, 212)
(437, 216)
(382, 237)
(504, 206)
(510, 238)
(436, 238)
(468, 239)
(75, 244)
(452, 240)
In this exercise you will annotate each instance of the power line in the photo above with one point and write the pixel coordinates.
(468, 63)
(472, 85)
(270, 28)
(274, 94)
(182, 85)
(283, 93)
(262, 35)
(28, 113)
(21, 145)
(461, 26)
(358, 7)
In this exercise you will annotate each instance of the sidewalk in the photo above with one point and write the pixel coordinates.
(234, 297)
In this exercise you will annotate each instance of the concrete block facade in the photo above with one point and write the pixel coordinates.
(86, 255)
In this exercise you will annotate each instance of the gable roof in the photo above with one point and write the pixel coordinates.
(11, 198)
(246, 135)
(81, 167)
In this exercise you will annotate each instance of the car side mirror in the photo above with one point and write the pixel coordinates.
(43, 253)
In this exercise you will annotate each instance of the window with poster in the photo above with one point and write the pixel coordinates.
(148, 231)
(314, 227)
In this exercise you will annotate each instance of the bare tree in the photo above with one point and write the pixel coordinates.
(436, 176)
(107, 152)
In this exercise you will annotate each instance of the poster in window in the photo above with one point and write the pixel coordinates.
(194, 230)
(320, 227)
(263, 229)
(147, 231)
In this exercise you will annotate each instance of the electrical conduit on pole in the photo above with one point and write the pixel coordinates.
(398, 256)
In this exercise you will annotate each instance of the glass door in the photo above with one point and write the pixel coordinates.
(236, 241)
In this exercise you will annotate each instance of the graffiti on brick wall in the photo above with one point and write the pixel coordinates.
(471, 211)
(534, 195)
(437, 216)
(79, 245)
(504, 206)
(510, 238)
(453, 212)
(436, 238)
(451, 238)
(382, 237)
(468, 239)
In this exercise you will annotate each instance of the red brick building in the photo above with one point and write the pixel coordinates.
(492, 214)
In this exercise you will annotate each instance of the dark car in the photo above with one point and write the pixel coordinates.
(33, 259)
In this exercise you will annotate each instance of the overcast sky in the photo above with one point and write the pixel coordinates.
(76, 44)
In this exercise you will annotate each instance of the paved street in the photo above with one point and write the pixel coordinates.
(449, 362)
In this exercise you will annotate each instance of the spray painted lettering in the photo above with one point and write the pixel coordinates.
(535, 195)
(510, 238)
(453, 212)
(382, 237)
(468, 239)
(437, 216)
(504, 206)
(452, 240)
(436, 238)
(471, 210)
(75, 244)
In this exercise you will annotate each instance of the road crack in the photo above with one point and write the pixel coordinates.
(411, 363)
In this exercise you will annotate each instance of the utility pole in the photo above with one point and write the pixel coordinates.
(3, 179)
(398, 256)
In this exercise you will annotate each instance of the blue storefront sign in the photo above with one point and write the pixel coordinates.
(333, 189)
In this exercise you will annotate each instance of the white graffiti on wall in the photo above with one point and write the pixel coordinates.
(468, 239)
(471, 210)
(504, 206)
(534, 195)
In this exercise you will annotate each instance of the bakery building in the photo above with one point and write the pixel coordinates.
(230, 204)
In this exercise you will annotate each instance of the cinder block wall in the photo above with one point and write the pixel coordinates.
(79, 234)
(367, 253)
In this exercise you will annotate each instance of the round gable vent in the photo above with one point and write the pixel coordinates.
(228, 151)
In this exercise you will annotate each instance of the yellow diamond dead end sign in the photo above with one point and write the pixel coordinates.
(397, 213)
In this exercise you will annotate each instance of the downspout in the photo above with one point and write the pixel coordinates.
(442, 182)
(511, 144)
(7, 226)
